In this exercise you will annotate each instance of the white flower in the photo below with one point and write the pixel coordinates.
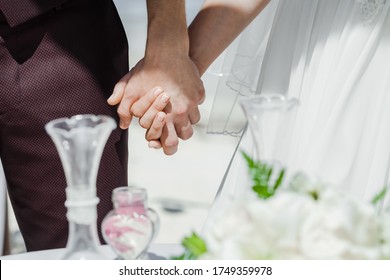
(302, 184)
(259, 229)
(296, 224)
(341, 228)
(385, 235)
(240, 235)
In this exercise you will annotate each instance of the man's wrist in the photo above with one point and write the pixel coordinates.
(163, 42)
(167, 27)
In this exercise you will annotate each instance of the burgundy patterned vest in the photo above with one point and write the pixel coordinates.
(19, 11)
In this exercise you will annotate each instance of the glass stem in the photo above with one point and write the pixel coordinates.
(82, 239)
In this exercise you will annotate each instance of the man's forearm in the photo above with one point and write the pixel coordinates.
(167, 27)
(217, 24)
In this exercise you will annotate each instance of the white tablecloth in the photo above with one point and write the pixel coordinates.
(155, 252)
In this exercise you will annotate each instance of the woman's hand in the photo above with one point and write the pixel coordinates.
(183, 92)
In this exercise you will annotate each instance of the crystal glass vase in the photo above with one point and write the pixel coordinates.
(131, 226)
(270, 118)
(80, 141)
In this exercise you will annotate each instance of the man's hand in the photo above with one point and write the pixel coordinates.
(182, 86)
(167, 65)
(153, 119)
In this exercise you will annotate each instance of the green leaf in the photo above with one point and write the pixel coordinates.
(262, 192)
(279, 180)
(195, 244)
(179, 258)
(250, 162)
(268, 172)
(379, 197)
(261, 175)
(195, 247)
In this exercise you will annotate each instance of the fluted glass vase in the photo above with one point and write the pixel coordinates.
(80, 141)
(271, 118)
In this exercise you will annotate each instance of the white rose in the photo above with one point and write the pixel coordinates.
(385, 234)
(301, 183)
(260, 229)
(294, 225)
(240, 234)
(291, 210)
(340, 228)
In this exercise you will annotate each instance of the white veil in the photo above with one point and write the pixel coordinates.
(238, 69)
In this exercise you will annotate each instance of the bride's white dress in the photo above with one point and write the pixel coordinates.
(334, 56)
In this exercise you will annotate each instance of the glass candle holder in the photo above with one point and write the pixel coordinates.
(80, 141)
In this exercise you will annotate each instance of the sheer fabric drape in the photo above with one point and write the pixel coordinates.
(334, 57)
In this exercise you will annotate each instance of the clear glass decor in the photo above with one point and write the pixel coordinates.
(131, 226)
(270, 118)
(80, 141)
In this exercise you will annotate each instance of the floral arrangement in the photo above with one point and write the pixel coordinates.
(304, 219)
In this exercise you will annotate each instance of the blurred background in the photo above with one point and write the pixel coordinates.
(181, 187)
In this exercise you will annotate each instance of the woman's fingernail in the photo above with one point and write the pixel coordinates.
(112, 96)
(160, 116)
(154, 145)
(165, 98)
(158, 91)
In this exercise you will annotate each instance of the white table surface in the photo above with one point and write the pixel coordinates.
(155, 252)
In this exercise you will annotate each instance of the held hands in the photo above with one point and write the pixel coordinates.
(165, 99)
